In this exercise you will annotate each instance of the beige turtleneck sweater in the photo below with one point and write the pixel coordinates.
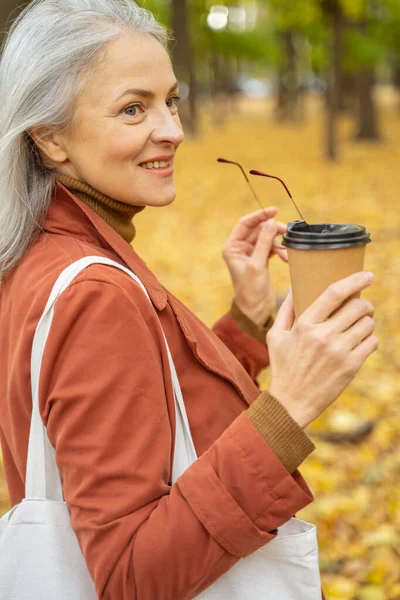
(281, 432)
(117, 214)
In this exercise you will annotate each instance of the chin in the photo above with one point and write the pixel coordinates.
(160, 198)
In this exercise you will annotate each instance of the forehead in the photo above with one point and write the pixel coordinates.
(133, 60)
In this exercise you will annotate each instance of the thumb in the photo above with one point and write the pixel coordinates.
(264, 243)
(285, 318)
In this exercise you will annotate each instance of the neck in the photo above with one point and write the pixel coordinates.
(116, 214)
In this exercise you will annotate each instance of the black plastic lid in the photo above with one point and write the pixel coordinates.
(324, 236)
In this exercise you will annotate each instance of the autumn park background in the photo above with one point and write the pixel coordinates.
(308, 90)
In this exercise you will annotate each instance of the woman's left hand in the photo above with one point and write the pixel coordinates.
(246, 253)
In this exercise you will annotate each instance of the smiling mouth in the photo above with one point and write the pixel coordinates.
(157, 164)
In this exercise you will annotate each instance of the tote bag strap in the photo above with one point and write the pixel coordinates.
(42, 476)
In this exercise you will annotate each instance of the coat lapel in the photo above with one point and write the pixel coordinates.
(212, 352)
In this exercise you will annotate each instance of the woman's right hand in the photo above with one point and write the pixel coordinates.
(314, 360)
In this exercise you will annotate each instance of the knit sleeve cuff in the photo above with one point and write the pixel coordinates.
(284, 436)
(259, 333)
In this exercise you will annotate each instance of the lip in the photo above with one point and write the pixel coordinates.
(165, 157)
(164, 172)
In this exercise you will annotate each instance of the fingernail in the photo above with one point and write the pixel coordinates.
(369, 276)
(268, 226)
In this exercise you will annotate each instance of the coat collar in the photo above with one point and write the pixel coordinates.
(67, 215)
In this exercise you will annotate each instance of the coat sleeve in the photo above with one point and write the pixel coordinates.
(250, 352)
(103, 399)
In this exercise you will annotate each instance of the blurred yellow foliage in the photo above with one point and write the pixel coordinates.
(356, 487)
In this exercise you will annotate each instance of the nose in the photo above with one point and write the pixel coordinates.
(168, 129)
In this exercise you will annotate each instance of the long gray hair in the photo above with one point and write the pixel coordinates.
(47, 50)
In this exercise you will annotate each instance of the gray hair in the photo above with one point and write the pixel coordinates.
(48, 48)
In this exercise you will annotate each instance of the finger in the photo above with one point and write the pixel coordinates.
(354, 310)
(248, 249)
(253, 235)
(281, 252)
(238, 248)
(264, 244)
(360, 354)
(335, 295)
(358, 332)
(276, 249)
(247, 223)
(285, 317)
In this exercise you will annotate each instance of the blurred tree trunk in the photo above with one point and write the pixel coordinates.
(348, 93)
(183, 61)
(233, 71)
(368, 127)
(288, 96)
(215, 74)
(281, 96)
(217, 86)
(333, 11)
(367, 118)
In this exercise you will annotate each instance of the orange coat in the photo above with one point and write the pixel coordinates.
(106, 399)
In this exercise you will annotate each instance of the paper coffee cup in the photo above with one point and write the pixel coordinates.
(321, 254)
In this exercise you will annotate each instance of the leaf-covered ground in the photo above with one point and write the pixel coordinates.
(356, 486)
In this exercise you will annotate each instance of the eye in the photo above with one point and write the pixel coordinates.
(134, 110)
(173, 101)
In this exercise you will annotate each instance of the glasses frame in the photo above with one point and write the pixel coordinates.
(261, 174)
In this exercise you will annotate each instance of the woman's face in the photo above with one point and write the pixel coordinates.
(126, 129)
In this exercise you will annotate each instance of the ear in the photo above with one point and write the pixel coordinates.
(51, 144)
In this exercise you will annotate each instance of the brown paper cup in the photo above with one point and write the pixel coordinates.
(312, 271)
(321, 254)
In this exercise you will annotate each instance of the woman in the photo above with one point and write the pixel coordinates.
(89, 132)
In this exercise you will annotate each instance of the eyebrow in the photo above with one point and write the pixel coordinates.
(145, 93)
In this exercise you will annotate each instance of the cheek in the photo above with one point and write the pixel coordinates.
(88, 145)
(125, 144)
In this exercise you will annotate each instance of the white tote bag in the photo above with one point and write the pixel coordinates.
(286, 568)
(40, 558)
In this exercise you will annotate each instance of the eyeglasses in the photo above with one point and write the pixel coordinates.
(254, 172)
